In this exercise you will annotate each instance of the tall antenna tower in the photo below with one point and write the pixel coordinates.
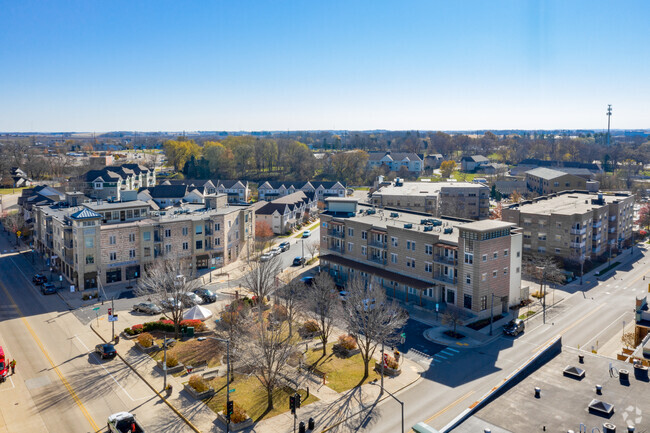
(609, 118)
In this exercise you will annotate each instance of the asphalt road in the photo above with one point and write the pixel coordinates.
(587, 317)
(60, 385)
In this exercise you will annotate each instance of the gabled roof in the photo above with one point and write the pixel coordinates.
(270, 208)
(85, 214)
(168, 191)
(229, 183)
(136, 168)
(396, 156)
(103, 174)
(475, 158)
(326, 185)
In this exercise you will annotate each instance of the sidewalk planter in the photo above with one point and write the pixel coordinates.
(171, 370)
(387, 370)
(345, 352)
(153, 348)
(127, 336)
(198, 395)
(235, 427)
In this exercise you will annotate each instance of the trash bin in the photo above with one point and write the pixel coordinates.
(117, 339)
(189, 331)
(301, 427)
(311, 424)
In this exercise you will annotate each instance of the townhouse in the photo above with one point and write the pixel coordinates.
(422, 260)
(396, 160)
(574, 225)
(284, 213)
(270, 190)
(170, 195)
(237, 191)
(112, 182)
(457, 199)
(104, 243)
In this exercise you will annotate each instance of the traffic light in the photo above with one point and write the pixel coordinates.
(292, 404)
(297, 400)
(230, 407)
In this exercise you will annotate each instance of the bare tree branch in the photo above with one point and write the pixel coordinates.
(323, 301)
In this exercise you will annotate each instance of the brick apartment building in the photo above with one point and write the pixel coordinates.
(548, 181)
(574, 225)
(113, 242)
(421, 260)
(457, 199)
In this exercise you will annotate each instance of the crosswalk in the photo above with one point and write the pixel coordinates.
(445, 355)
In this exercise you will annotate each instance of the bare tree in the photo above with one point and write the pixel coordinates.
(260, 277)
(453, 316)
(323, 301)
(544, 269)
(313, 248)
(289, 297)
(165, 283)
(266, 354)
(371, 318)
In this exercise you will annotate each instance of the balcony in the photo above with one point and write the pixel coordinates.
(575, 231)
(445, 260)
(377, 259)
(597, 224)
(378, 244)
(595, 250)
(444, 279)
(597, 237)
(612, 218)
(336, 249)
(68, 244)
(336, 233)
(577, 244)
(612, 230)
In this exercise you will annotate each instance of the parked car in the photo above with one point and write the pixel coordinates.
(48, 289)
(284, 246)
(266, 257)
(39, 279)
(169, 303)
(106, 351)
(206, 295)
(190, 299)
(514, 327)
(148, 308)
(308, 280)
(123, 422)
(298, 261)
(275, 251)
(306, 233)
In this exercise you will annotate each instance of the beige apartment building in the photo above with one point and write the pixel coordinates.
(457, 199)
(544, 181)
(422, 260)
(115, 242)
(574, 225)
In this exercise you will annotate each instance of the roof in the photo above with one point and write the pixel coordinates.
(105, 174)
(546, 173)
(475, 158)
(292, 198)
(424, 189)
(270, 208)
(484, 225)
(576, 171)
(567, 203)
(84, 214)
(395, 156)
(114, 205)
(168, 191)
(230, 183)
(136, 168)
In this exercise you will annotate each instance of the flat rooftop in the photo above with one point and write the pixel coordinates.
(564, 401)
(424, 188)
(566, 204)
(104, 205)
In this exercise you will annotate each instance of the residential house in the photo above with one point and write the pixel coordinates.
(110, 183)
(473, 163)
(396, 160)
(284, 213)
(271, 190)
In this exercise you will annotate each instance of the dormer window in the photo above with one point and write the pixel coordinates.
(98, 185)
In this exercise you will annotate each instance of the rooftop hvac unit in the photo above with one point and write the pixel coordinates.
(394, 215)
(408, 226)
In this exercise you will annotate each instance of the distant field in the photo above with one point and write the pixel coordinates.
(4, 191)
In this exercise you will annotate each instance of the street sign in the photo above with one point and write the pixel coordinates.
(232, 390)
(18, 233)
(112, 318)
(96, 308)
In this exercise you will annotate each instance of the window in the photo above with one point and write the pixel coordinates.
(393, 241)
(428, 267)
(350, 232)
(469, 258)
(186, 246)
(393, 258)
(168, 248)
(168, 233)
(556, 183)
(363, 250)
(111, 240)
(199, 229)
(112, 256)
(185, 231)
(217, 227)
(467, 301)
(541, 236)
(541, 249)
(146, 236)
(494, 274)
(429, 292)
(518, 253)
(484, 258)
(350, 246)
(147, 251)
(89, 242)
(217, 241)
(410, 263)
(199, 245)
(136, 213)
(558, 251)
(517, 270)
(495, 255)
(410, 245)
(132, 254)
(364, 235)
(411, 291)
(483, 276)
(428, 250)
(90, 260)
(505, 253)
(505, 271)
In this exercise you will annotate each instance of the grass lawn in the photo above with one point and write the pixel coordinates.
(192, 351)
(4, 191)
(526, 315)
(362, 188)
(463, 177)
(251, 396)
(342, 373)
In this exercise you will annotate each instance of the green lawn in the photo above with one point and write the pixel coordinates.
(463, 177)
(342, 374)
(251, 396)
(4, 191)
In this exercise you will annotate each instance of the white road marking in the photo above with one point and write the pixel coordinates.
(453, 350)
(607, 293)
(440, 356)
(616, 322)
(447, 353)
(108, 372)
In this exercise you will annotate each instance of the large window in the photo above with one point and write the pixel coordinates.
(199, 245)
(199, 229)
(469, 258)
(467, 302)
(146, 236)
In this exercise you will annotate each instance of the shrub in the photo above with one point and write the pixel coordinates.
(197, 324)
(172, 361)
(280, 312)
(347, 342)
(161, 325)
(311, 326)
(145, 339)
(238, 413)
(137, 329)
(198, 383)
(392, 362)
(129, 331)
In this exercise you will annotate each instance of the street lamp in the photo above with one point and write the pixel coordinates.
(543, 289)
(374, 382)
(227, 341)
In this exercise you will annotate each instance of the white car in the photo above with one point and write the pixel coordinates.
(266, 257)
(275, 251)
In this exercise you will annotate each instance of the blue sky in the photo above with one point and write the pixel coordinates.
(290, 65)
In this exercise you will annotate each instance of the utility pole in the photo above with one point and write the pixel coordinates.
(609, 117)
(543, 290)
(164, 366)
(113, 314)
(491, 313)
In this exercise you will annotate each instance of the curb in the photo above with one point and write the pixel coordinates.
(171, 406)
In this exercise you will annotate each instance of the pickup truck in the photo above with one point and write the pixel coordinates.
(123, 422)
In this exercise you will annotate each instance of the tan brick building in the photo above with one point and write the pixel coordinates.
(574, 225)
(423, 261)
(114, 242)
(548, 181)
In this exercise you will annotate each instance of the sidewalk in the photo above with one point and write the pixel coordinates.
(331, 409)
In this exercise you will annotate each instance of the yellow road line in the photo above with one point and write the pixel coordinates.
(67, 385)
(441, 411)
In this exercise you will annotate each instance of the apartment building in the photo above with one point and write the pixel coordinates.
(458, 199)
(548, 181)
(237, 191)
(284, 213)
(113, 242)
(270, 191)
(111, 182)
(396, 160)
(574, 225)
(422, 260)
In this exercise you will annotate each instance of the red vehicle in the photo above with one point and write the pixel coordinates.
(4, 367)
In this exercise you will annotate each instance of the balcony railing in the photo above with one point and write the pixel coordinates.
(575, 231)
(336, 233)
(378, 244)
(336, 249)
(597, 224)
(377, 259)
(444, 259)
(597, 237)
(577, 244)
(444, 279)
(612, 230)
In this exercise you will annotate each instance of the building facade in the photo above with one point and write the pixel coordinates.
(270, 190)
(396, 160)
(574, 225)
(423, 261)
(545, 181)
(284, 213)
(110, 182)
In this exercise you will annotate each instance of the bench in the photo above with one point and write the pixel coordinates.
(210, 374)
(196, 366)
